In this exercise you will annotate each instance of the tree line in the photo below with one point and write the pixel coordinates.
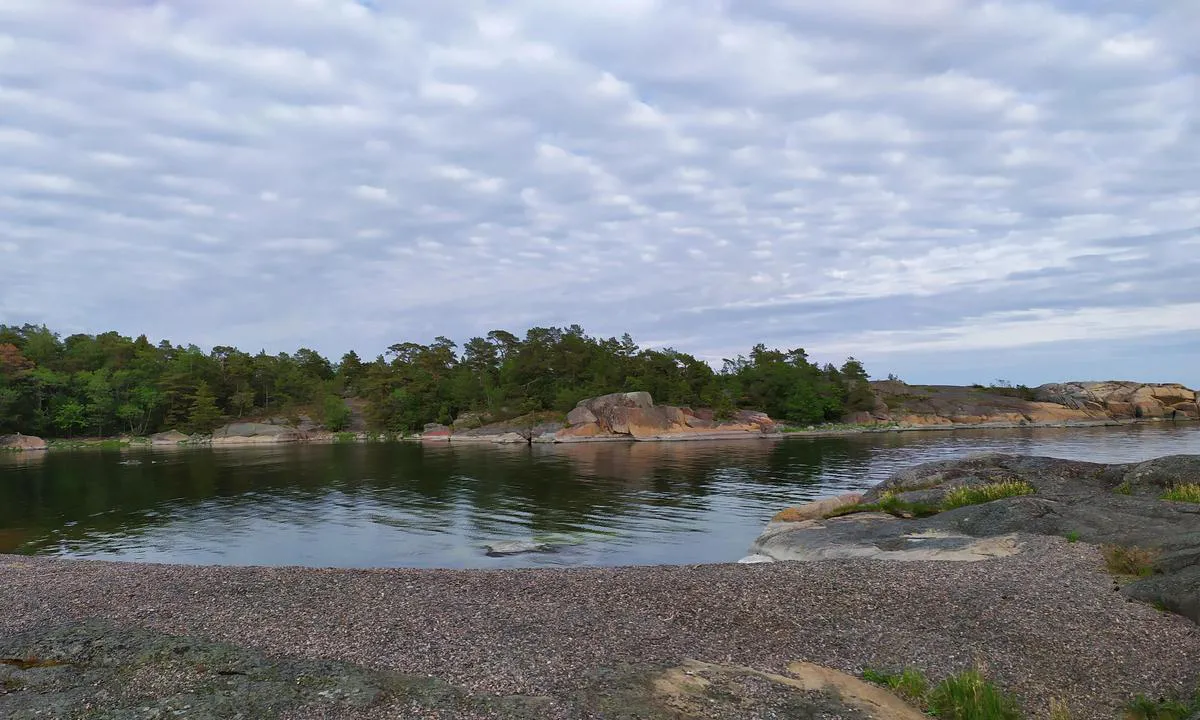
(109, 384)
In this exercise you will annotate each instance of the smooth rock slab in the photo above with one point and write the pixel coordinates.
(876, 536)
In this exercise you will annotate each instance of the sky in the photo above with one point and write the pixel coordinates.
(949, 190)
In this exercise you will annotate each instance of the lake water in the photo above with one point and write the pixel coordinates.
(438, 505)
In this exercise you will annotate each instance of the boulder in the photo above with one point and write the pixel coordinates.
(170, 437)
(21, 443)
(580, 415)
(818, 509)
(510, 438)
(255, 434)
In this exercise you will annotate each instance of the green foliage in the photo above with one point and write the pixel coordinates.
(107, 383)
(1125, 488)
(204, 415)
(968, 696)
(1073, 536)
(979, 494)
(345, 437)
(891, 504)
(909, 684)
(965, 696)
(1188, 492)
(1145, 708)
(1129, 561)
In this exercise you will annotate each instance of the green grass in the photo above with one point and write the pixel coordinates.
(909, 684)
(978, 494)
(1129, 561)
(889, 503)
(965, 696)
(345, 437)
(1124, 488)
(1073, 536)
(1189, 492)
(968, 696)
(1144, 708)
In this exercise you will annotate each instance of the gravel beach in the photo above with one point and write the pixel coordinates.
(585, 642)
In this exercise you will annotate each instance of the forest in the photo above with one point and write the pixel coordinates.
(109, 384)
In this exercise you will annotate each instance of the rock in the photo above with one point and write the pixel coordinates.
(818, 509)
(435, 431)
(580, 416)
(756, 560)
(21, 443)
(170, 437)
(876, 536)
(255, 434)
(1100, 504)
(505, 548)
(510, 438)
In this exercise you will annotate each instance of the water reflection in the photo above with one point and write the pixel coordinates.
(437, 505)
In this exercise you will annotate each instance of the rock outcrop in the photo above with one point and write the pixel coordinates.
(170, 437)
(21, 443)
(634, 416)
(1111, 505)
(1052, 404)
(256, 434)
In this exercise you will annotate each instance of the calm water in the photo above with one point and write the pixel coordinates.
(438, 505)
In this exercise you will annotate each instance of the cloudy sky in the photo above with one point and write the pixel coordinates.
(947, 189)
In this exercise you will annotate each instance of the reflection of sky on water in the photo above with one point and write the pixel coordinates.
(440, 505)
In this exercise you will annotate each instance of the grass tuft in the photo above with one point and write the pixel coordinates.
(1129, 561)
(1144, 708)
(1073, 536)
(968, 696)
(1059, 710)
(1125, 488)
(909, 684)
(976, 495)
(345, 437)
(1189, 492)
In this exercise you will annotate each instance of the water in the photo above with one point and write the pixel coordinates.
(439, 505)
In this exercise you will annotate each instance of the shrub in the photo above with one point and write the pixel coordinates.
(1144, 708)
(1073, 536)
(968, 696)
(1124, 488)
(1189, 492)
(1129, 561)
(968, 495)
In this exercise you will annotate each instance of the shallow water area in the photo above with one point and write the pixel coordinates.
(442, 505)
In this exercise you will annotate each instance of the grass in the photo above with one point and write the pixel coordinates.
(978, 494)
(909, 684)
(345, 437)
(965, 696)
(1188, 492)
(1144, 708)
(889, 503)
(1129, 561)
(1124, 488)
(1059, 710)
(1073, 536)
(968, 696)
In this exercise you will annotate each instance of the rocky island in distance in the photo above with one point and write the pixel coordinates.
(634, 416)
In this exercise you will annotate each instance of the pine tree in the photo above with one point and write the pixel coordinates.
(204, 415)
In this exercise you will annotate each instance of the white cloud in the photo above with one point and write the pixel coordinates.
(909, 177)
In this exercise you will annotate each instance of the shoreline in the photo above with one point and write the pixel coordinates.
(487, 637)
(364, 438)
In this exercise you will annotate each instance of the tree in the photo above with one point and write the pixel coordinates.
(204, 415)
(71, 416)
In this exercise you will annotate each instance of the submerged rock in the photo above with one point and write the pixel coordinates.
(505, 548)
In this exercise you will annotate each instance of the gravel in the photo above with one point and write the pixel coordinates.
(1044, 624)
